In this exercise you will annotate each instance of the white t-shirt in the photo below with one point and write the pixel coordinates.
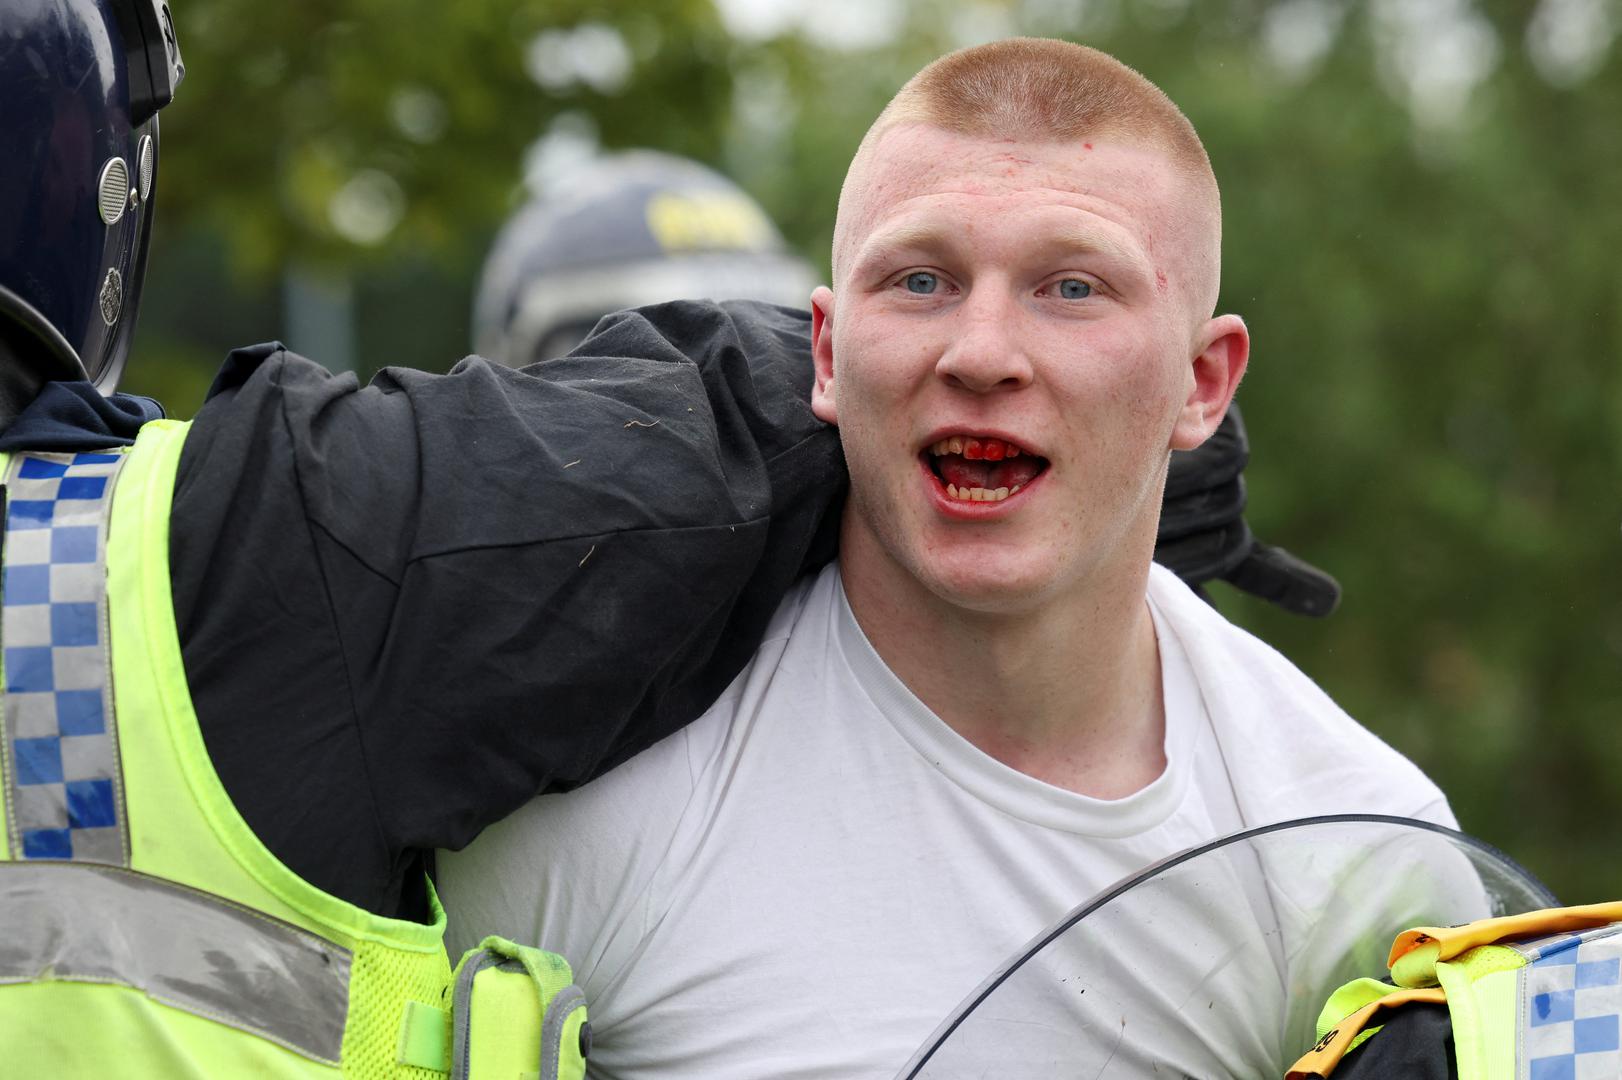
(806, 880)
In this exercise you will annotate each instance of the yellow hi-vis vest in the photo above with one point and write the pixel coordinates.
(1531, 997)
(144, 929)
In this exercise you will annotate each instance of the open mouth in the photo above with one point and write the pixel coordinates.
(977, 468)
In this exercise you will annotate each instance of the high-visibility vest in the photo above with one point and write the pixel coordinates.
(1531, 997)
(144, 929)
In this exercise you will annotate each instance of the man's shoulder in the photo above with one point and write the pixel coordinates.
(742, 720)
(794, 640)
(1236, 670)
(673, 764)
(613, 838)
(1294, 752)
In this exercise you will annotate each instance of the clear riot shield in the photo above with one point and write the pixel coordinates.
(1216, 962)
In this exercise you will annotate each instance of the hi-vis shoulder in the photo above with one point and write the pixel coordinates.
(148, 932)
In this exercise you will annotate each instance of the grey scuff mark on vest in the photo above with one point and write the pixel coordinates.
(83, 922)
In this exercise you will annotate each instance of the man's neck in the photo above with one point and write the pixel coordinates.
(1068, 692)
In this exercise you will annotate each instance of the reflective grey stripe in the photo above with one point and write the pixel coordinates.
(63, 784)
(558, 1011)
(80, 922)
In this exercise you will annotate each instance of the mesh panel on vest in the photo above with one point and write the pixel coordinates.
(381, 981)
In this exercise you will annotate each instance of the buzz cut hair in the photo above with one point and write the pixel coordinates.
(1038, 90)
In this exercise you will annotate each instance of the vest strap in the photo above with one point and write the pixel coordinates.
(425, 1037)
(63, 785)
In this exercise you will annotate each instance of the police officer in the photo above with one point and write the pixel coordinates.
(256, 665)
(625, 230)
(1526, 995)
(642, 227)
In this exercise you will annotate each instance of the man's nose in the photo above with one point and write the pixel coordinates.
(985, 354)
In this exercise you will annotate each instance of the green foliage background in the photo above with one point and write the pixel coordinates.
(1435, 398)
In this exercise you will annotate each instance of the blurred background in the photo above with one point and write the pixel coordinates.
(1423, 230)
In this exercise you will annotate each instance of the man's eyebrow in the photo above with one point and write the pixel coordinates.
(1096, 242)
(908, 235)
(932, 236)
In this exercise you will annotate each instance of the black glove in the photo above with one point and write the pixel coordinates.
(1203, 535)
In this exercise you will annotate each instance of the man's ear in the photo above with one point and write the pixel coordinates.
(1224, 350)
(822, 354)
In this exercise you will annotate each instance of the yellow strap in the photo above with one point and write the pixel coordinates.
(1453, 940)
(1321, 1060)
(425, 1037)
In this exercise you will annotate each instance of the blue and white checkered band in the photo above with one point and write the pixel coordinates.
(63, 783)
(1571, 999)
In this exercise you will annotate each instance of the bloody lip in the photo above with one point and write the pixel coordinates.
(987, 461)
(963, 509)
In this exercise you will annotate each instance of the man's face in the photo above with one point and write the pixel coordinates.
(1012, 353)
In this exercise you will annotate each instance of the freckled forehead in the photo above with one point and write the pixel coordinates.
(988, 189)
(914, 161)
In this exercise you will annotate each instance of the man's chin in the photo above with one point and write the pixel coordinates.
(999, 577)
(990, 590)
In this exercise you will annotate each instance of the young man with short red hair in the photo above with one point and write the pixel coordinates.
(993, 705)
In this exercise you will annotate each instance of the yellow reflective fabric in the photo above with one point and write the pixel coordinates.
(518, 1014)
(1483, 999)
(1450, 941)
(69, 1031)
(184, 829)
(394, 961)
(425, 1037)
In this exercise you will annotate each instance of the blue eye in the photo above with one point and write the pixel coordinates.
(922, 281)
(1075, 289)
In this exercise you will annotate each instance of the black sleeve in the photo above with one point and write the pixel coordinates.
(1416, 1043)
(405, 609)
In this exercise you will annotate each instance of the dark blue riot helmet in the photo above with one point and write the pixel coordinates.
(619, 231)
(81, 83)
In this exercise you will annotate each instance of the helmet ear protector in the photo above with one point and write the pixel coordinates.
(151, 55)
(153, 69)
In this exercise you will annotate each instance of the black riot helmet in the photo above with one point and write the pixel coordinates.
(624, 230)
(81, 83)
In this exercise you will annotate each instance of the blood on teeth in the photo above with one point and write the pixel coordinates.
(976, 449)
